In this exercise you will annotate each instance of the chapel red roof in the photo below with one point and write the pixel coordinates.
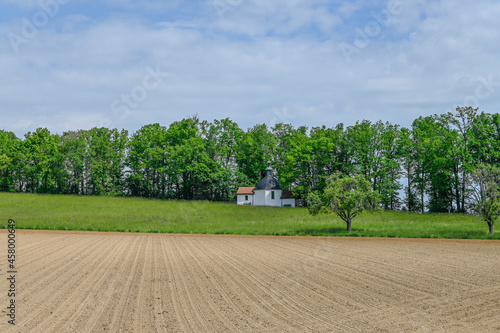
(245, 190)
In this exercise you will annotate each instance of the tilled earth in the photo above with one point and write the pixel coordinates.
(118, 282)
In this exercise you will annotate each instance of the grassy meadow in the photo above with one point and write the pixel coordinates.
(58, 212)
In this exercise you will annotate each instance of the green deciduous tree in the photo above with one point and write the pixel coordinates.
(146, 160)
(406, 157)
(345, 196)
(299, 174)
(190, 170)
(255, 149)
(387, 169)
(222, 138)
(484, 139)
(360, 139)
(436, 161)
(463, 121)
(74, 148)
(8, 144)
(329, 153)
(486, 193)
(40, 159)
(105, 160)
(310, 159)
(373, 152)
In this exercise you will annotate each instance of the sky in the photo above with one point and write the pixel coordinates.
(73, 64)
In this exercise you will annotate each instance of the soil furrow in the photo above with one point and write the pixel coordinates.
(94, 282)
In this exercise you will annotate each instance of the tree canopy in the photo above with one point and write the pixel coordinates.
(486, 193)
(345, 196)
(426, 167)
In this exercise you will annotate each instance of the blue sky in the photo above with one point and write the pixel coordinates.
(71, 64)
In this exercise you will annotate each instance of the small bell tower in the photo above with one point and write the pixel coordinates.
(269, 170)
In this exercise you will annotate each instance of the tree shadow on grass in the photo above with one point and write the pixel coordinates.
(472, 234)
(322, 231)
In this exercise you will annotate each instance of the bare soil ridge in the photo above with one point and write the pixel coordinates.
(118, 282)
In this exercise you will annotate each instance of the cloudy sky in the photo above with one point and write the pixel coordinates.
(75, 64)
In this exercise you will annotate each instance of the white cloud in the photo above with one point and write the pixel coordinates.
(24, 4)
(263, 60)
(349, 8)
(145, 5)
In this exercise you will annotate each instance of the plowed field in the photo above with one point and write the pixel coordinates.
(115, 282)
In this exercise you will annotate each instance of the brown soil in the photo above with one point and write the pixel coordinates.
(115, 282)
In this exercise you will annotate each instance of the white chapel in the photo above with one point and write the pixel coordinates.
(267, 192)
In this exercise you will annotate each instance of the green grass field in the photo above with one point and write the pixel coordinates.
(57, 212)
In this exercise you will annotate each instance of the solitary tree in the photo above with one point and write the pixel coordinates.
(347, 197)
(486, 193)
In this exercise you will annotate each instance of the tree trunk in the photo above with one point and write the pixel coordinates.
(409, 194)
(349, 225)
(422, 202)
(463, 197)
(491, 227)
(457, 190)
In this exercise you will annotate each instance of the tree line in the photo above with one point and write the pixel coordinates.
(428, 166)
